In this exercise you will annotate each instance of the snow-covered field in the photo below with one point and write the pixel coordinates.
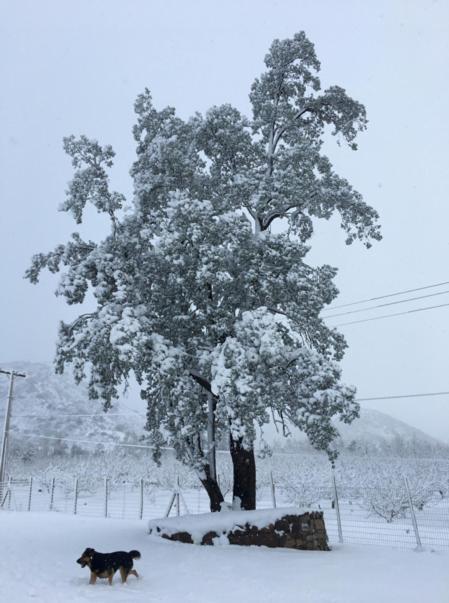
(360, 524)
(39, 552)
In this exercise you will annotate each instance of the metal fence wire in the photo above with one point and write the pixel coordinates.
(358, 515)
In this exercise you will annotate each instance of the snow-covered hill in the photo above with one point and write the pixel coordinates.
(380, 429)
(378, 432)
(44, 404)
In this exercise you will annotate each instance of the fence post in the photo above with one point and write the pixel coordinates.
(30, 493)
(141, 499)
(175, 500)
(170, 504)
(273, 490)
(10, 492)
(75, 496)
(412, 513)
(4, 494)
(52, 493)
(124, 500)
(183, 500)
(106, 494)
(337, 509)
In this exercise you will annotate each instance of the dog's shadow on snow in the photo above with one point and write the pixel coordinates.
(103, 583)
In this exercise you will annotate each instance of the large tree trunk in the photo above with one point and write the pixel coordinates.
(244, 462)
(213, 490)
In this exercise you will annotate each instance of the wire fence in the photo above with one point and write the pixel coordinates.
(359, 515)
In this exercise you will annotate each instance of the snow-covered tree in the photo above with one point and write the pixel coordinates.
(216, 314)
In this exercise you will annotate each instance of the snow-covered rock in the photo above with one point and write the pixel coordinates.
(283, 527)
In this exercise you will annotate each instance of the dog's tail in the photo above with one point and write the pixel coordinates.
(135, 554)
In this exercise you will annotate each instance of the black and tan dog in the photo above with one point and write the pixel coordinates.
(104, 565)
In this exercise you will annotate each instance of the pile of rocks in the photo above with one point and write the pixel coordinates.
(305, 531)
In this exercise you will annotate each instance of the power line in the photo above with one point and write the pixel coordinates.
(400, 301)
(116, 414)
(79, 440)
(421, 395)
(426, 395)
(133, 411)
(353, 322)
(362, 301)
(115, 444)
(42, 437)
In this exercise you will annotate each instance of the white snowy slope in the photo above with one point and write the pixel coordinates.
(374, 431)
(42, 550)
(378, 427)
(44, 401)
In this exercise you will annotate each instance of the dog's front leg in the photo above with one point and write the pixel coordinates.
(110, 579)
(93, 578)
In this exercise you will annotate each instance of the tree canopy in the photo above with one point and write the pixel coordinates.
(196, 293)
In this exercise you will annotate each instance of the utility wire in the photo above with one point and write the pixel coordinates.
(43, 437)
(116, 414)
(115, 444)
(403, 396)
(132, 410)
(421, 395)
(363, 301)
(400, 301)
(353, 322)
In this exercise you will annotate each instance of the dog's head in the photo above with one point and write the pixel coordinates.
(86, 558)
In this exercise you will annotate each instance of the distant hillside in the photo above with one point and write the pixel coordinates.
(376, 425)
(376, 432)
(43, 403)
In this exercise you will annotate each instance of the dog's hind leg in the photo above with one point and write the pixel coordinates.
(123, 574)
(110, 576)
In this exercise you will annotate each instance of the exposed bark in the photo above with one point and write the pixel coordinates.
(202, 381)
(211, 444)
(244, 463)
(213, 490)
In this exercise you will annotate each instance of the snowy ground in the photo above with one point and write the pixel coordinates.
(359, 525)
(39, 552)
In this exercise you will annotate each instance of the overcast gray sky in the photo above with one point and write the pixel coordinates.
(76, 67)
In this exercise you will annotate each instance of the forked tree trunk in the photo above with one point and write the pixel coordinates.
(244, 463)
(213, 490)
